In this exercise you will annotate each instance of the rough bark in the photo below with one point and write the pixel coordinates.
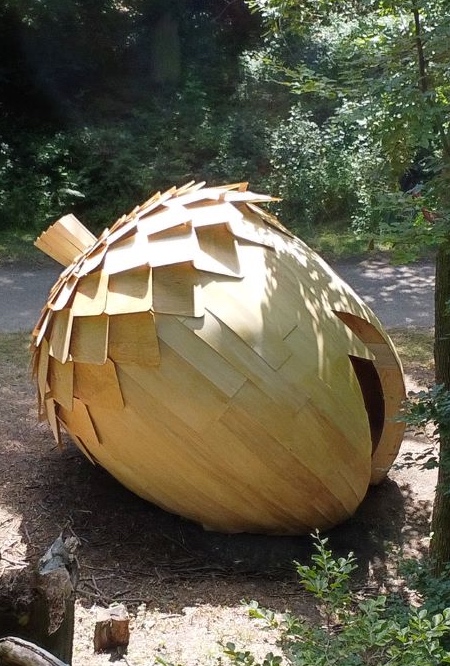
(440, 542)
(17, 652)
(44, 613)
(111, 629)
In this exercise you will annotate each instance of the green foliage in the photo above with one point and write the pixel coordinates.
(434, 589)
(247, 658)
(37, 181)
(327, 579)
(354, 631)
(431, 406)
(391, 80)
(391, 88)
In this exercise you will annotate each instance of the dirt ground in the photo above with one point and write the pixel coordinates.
(183, 586)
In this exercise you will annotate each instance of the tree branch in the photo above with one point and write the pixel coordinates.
(423, 82)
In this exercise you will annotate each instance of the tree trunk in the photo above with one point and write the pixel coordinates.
(165, 53)
(42, 602)
(440, 542)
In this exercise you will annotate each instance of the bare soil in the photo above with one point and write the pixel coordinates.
(183, 586)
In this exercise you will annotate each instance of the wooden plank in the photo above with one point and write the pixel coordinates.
(61, 383)
(42, 369)
(173, 246)
(54, 249)
(383, 355)
(260, 288)
(177, 467)
(364, 329)
(173, 463)
(126, 229)
(237, 196)
(62, 322)
(78, 231)
(42, 326)
(78, 421)
(44, 317)
(251, 228)
(91, 261)
(178, 191)
(391, 378)
(127, 253)
(132, 339)
(181, 389)
(62, 298)
(195, 193)
(335, 390)
(213, 213)
(240, 187)
(278, 492)
(242, 357)
(163, 220)
(200, 355)
(56, 287)
(90, 296)
(82, 447)
(58, 236)
(130, 291)
(50, 410)
(34, 360)
(98, 385)
(307, 437)
(155, 202)
(244, 313)
(176, 290)
(269, 219)
(89, 341)
(218, 251)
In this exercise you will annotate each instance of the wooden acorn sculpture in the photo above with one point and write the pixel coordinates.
(216, 366)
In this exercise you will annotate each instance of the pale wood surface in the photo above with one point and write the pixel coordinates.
(202, 354)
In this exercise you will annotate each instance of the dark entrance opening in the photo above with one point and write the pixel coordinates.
(372, 391)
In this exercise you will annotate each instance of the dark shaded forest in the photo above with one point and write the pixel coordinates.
(104, 102)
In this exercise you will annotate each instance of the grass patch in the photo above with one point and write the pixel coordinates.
(415, 348)
(337, 244)
(14, 350)
(18, 246)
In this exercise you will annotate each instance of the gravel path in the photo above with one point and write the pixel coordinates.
(401, 296)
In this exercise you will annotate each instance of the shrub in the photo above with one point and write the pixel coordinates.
(354, 631)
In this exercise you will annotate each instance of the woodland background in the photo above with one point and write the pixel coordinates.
(104, 102)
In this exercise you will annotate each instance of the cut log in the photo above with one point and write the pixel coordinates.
(18, 652)
(111, 628)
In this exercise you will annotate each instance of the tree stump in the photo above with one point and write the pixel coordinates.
(111, 628)
(38, 605)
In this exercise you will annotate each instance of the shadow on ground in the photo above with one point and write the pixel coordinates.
(134, 551)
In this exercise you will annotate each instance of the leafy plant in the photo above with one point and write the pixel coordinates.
(354, 631)
(434, 589)
(429, 408)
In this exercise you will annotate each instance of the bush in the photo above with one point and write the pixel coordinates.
(353, 631)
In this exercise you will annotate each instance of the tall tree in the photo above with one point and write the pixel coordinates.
(392, 78)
